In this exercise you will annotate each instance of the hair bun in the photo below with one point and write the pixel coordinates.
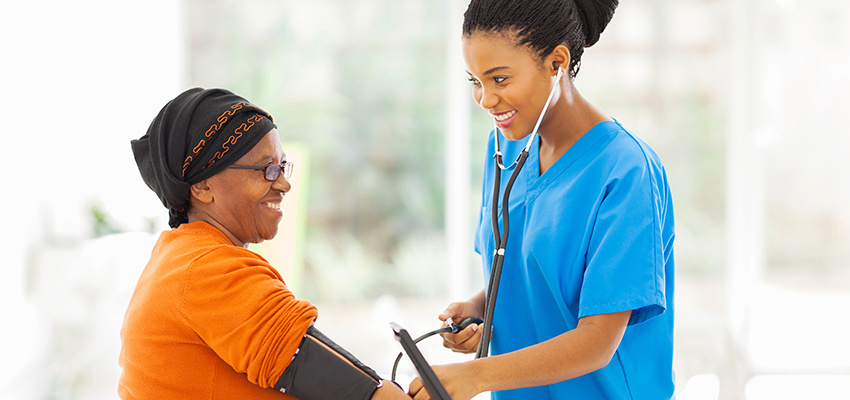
(595, 16)
(543, 25)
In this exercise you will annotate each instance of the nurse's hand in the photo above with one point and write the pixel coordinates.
(466, 340)
(458, 379)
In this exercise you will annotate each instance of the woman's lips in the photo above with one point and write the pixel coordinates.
(504, 120)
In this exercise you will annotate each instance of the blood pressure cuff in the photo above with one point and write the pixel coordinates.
(322, 370)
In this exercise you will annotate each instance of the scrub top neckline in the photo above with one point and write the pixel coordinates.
(537, 182)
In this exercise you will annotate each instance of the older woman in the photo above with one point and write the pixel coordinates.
(210, 319)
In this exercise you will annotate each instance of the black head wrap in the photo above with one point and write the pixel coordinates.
(196, 135)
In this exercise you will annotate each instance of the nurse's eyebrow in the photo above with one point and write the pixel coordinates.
(492, 70)
(489, 71)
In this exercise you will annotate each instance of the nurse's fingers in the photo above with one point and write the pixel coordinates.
(422, 395)
(454, 311)
(464, 341)
(417, 391)
(462, 336)
(459, 311)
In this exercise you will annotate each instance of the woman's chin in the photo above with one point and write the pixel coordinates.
(269, 235)
(513, 135)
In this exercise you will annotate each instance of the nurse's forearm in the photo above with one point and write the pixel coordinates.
(585, 349)
(478, 299)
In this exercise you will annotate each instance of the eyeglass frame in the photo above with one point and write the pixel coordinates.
(285, 170)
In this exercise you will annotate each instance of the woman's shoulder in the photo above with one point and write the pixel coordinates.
(625, 149)
(200, 241)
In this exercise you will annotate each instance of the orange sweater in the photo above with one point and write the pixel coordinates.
(208, 320)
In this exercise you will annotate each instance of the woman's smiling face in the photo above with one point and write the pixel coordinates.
(246, 206)
(508, 80)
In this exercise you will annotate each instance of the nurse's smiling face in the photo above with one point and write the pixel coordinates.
(510, 81)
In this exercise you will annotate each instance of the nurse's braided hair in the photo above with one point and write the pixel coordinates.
(543, 24)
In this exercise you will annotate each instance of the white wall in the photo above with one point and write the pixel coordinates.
(79, 80)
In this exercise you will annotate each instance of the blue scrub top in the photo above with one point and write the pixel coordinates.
(592, 235)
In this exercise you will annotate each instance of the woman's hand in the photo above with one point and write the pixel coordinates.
(464, 341)
(389, 391)
(458, 379)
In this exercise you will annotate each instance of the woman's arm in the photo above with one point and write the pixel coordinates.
(389, 391)
(324, 370)
(580, 351)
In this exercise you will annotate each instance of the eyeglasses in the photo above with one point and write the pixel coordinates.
(272, 171)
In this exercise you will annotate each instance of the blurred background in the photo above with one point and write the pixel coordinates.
(740, 98)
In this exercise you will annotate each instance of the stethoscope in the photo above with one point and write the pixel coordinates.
(501, 241)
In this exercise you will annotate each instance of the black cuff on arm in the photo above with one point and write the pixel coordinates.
(322, 370)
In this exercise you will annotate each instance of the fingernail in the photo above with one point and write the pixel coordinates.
(475, 327)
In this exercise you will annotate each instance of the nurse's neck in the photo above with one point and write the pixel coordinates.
(566, 121)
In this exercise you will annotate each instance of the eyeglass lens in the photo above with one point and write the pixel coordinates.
(272, 171)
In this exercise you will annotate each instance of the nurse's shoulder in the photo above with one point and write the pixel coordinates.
(626, 153)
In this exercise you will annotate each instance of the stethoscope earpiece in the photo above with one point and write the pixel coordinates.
(559, 69)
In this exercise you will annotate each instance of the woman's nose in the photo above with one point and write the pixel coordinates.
(282, 184)
(487, 100)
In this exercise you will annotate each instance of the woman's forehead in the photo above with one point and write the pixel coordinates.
(485, 51)
(267, 150)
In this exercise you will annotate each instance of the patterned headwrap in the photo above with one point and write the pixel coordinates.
(196, 135)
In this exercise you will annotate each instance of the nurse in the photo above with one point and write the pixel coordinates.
(585, 301)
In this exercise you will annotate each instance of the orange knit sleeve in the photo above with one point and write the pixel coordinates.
(239, 306)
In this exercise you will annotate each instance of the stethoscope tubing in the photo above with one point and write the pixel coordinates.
(501, 241)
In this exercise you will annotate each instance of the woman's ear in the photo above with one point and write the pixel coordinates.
(202, 192)
(560, 57)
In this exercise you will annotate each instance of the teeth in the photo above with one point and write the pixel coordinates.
(504, 116)
(275, 206)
